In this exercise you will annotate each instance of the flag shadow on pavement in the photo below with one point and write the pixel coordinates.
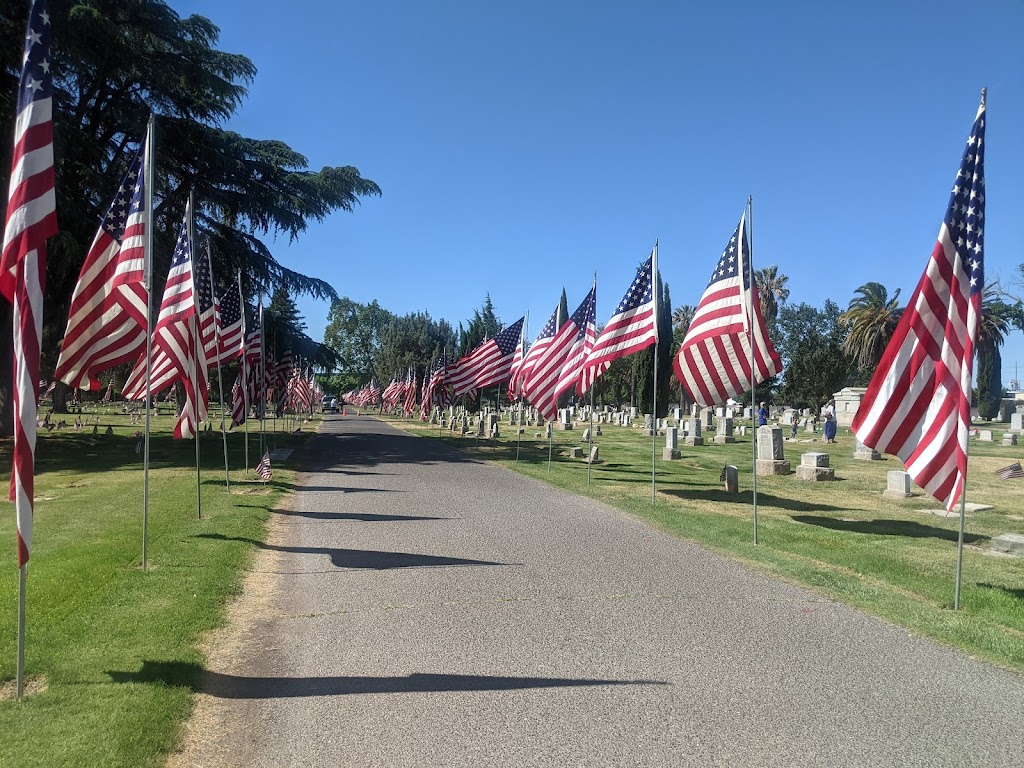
(182, 674)
(363, 559)
(362, 517)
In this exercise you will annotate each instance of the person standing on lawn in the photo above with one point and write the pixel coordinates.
(829, 414)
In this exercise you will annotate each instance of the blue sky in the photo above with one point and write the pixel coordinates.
(522, 147)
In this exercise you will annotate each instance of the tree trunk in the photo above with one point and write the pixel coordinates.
(60, 397)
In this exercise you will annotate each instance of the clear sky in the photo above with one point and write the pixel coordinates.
(523, 146)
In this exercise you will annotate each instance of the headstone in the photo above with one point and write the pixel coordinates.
(743, 430)
(565, 419)
(897, 484)
(595, 455)
(1008, 544)
(693, 432)
(985, 436)
(547, 430)
(575, 453)
(597, 430)
(731, 478)
(1017, 422)
(1009, 438)
(748, 413)
(676, 414)
(724, 433)
(812, 425)
(648, 424)
(671, 449)
(633, 410)
(770, 455)
(1007, 407)
(864, 453)
(706, 416)
(814, 466)
(586, 435)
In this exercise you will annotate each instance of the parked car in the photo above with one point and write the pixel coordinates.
(329, 403)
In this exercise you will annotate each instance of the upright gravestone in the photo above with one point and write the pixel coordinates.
(771, 459)
(706, 418)
(985, 436)
(693, 432)
(897, 484)
(814, 466)
(494, 431)
(648, 424)
(731, 478)
(671, 449)
(1009, 438)
(595, 455)
(1017, 422)
(586, 435)
(565, 419)
(863, 453)
(724, 433)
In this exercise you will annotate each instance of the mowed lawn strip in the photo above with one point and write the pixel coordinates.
(117, 650)
(890, 557)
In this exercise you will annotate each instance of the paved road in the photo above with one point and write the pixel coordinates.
(429, 610)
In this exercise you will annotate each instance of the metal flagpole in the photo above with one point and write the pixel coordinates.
(148, 276)
(498, 406)
(519, 393)
(195, 352)
(220, 379)
(960, 535)
(590, 445)
(654, 404)
(261, 402)
(749, 308)
(244, 378)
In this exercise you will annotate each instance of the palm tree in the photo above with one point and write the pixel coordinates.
(872, 317)
(995, 323)
(771, 290)
(681, 319)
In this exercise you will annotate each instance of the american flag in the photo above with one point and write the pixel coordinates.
(230, 323)
(165, 370)
(425, 406)
(514, 375)
(410, 392)
(263, 468)
(565, 352)
(713, 362)
(918, 404)
(586, 334)
(174, 336)
(1010, 472)
(239, 399)
(31, 219)
(633, 327)
(282, 375)
(490, 363)
(542, 342)
(250, 369)
(107, 321)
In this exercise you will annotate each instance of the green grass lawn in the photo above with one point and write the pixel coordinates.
(890, 557)
(93, 616)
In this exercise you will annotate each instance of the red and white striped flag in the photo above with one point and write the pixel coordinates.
(488, 364)
(633, 327)
(263, 468)
(545, 375)
(571, 375)
(107, 320)
(542, 342)
(230, 323)
(31, 219)
(713, 362)
(918, 404)
(175, 333)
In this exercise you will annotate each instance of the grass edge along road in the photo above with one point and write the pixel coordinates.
(113, 654)
(891, 558)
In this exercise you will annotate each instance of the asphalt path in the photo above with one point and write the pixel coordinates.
(428, 609)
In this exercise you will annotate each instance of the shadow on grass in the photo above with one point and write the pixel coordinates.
(1012, 592)
(906, 528)
(194, 677)
(362, 559)
(763, 500)
(363, 517)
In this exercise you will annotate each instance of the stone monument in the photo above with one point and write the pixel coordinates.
(771, 458)
(814, 466)
(693, 432)
(671, 449)
(724, 433)
(897, 484)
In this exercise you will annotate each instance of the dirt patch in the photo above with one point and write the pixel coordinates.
(210, 737)
(34, 685)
